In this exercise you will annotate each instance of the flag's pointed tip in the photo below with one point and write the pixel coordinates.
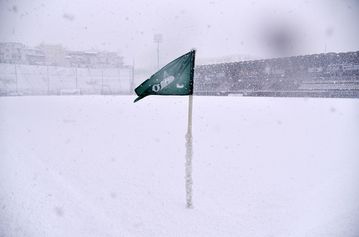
(138, 98)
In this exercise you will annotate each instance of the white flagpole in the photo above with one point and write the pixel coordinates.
(189, 181)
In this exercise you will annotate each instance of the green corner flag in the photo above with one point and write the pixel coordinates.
(176, 78)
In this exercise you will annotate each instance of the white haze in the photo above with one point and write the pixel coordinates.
(215, 28)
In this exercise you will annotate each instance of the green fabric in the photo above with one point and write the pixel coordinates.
(176, 78)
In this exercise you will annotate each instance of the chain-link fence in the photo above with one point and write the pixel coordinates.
(18, 79)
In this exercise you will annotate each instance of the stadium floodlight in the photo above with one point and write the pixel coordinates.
(157, 38)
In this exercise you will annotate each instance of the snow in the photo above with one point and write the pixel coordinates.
(104, 166)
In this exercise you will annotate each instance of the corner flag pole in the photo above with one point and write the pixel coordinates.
(189, 181)
(176, 78)
(189, 146)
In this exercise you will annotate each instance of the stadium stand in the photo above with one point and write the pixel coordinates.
(318, 75)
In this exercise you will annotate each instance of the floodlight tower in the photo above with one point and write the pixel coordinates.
(157, 38)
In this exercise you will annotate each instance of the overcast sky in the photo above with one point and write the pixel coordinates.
(216, 28)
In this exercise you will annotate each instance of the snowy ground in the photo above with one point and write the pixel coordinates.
(103, 166)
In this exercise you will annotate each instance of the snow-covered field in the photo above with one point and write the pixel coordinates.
(103, 166)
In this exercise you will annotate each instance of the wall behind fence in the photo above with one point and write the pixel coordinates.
(52, 80)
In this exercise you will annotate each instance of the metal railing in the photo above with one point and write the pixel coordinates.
(16, 79)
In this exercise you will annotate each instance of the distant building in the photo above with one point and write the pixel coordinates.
(54, 54)
(11, 52)
(94, 59)
(34, 56)
(106, 59)
(81, 59)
